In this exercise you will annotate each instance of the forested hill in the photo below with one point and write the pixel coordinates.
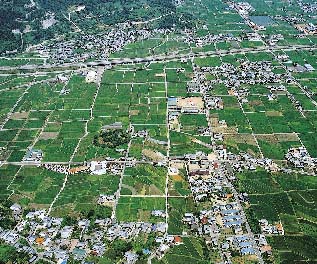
(27, 16)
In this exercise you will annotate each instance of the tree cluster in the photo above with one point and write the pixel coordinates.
(111, 138)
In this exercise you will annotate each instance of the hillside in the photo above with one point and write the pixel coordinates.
(42, 19)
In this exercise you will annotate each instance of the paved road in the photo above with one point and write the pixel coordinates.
(157, 58)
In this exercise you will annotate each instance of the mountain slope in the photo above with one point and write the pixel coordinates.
(37, 20)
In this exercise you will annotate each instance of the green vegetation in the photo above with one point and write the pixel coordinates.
(193, 250)
(111, 138)
(145, 179)
(66, 120)
(139, 209)
(178, 207)
(285, 198)
(8, 254)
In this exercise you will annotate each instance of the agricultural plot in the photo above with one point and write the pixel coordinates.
(237, 143)
(177, 208)
(83, 190)
(139, 209)
(285, 198)
(36, 187)
(8, 173)
(144, 180)
(140, 49)
(192, 250)
(290, 249)
(138, 141)
(275, 146)
(192, 124)
(178, 185)
(182, 144)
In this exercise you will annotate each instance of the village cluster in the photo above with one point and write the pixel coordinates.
(209, 182)
(190, 147)
(211, 179)
(55, 240)
(95, 46)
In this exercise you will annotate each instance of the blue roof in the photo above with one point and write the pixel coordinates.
(247, 250)
(79, 252)
(172, 100)
(231, 217)
(231, 211)
(233, 223)
(241, 238)
(245, 244)
(146, 251)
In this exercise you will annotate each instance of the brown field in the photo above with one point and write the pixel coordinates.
(287, 137)
(48, 135)
(153, 190)
(134, 112)
(153, 155)
(256, 103)
(191, 101)
(273, 113)
(241, 138)
(177, 178)
(269, 138)
(144, 215)
(20, 115)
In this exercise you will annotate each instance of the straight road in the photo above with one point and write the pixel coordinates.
(157, 58)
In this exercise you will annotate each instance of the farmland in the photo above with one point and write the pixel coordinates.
(185, 135)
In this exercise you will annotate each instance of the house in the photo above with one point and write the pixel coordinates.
(66, 232)
(32, 259)
(105, 199)
(173, 171)
(84, 223)
(98, 167)
(247, 251)
(91, 77)
(16, 208)
(158, 213)
(33, 155)
(39, 240)
(115, 125)
(159, 240)
(79, 169)
(61, 78)
(193, 87)
(308, 67)
(299, 157)
(172, 103)
(266, 249)
(79, 253)
(178, 240)
(162, 249)
(146, 251)
(280, 228)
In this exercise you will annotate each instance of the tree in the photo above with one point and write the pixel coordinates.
(121, 246)
(9, 254)
(111, 138)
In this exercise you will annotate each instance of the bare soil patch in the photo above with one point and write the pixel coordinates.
(20, 115)
(287, 137)
(48, 135)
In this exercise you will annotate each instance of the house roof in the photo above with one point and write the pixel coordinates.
(77, 169)
(177, 239)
